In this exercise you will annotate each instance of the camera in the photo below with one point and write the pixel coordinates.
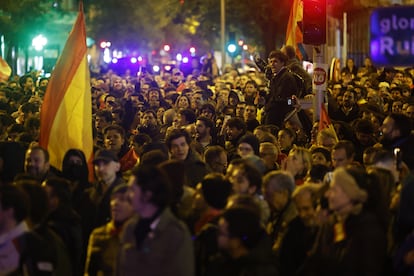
(291, 101)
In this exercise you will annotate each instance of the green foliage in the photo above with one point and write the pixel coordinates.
(19, 20)
(143, 24)
(147, 24)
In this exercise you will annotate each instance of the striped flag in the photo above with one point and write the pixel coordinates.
(294, 35)
(325, 122)
(5, 70)
(66, 114)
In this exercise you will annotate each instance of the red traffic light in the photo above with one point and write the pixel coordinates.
(314, 22)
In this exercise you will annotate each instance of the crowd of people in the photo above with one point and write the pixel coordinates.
(215, 174)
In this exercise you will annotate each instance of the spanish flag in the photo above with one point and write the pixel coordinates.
(294, 35)
(325, 122)
(5, 70)
(66, 114)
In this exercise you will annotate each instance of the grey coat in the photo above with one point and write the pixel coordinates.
(167, 249)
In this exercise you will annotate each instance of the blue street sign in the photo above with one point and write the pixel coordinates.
(392, 36)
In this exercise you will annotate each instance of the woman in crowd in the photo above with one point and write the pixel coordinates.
(298, 163)
(354, 241)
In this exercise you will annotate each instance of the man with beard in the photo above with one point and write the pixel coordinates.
(235, 128)
(117, 88)
(37, 163)
(197, 101)
(396, 133)
(349, 110)
(150, 125)
(204, 132)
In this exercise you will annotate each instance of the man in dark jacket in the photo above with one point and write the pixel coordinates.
(63, 219)
(178, 143)
(282, 87)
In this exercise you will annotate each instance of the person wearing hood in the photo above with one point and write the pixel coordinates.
(75, 169)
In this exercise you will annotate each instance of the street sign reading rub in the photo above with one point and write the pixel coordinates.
(392, 36)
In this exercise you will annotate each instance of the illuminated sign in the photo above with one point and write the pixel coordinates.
(392, 36)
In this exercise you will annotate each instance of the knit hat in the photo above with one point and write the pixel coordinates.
(252, 140)
(349, 185)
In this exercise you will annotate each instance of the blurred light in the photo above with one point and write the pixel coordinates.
(185, 59)
(167, 48)
(107, 58)
(114, 60)
(179, 57)
(245, 47)
(192, 50)
(167, 67)
(231, 48)
(241, 42)
(156, 68)
(140, 58)
(39, 42)
(117, 54)
(133, 60)
(105, 44)
(88, 57)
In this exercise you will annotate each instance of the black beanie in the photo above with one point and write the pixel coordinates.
(252, 141)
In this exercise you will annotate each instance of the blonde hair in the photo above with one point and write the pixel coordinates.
(306, 157)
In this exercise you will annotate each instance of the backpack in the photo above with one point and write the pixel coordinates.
(300, 83)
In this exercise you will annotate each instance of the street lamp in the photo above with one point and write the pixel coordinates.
(39, 42)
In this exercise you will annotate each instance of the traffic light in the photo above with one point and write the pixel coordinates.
(231, 45)
(314, 22)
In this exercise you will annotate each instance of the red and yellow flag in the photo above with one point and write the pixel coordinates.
(325, 122)
(294, 35)
(5, 70)
(66, 114)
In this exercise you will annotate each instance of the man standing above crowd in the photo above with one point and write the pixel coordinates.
(282, 87)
